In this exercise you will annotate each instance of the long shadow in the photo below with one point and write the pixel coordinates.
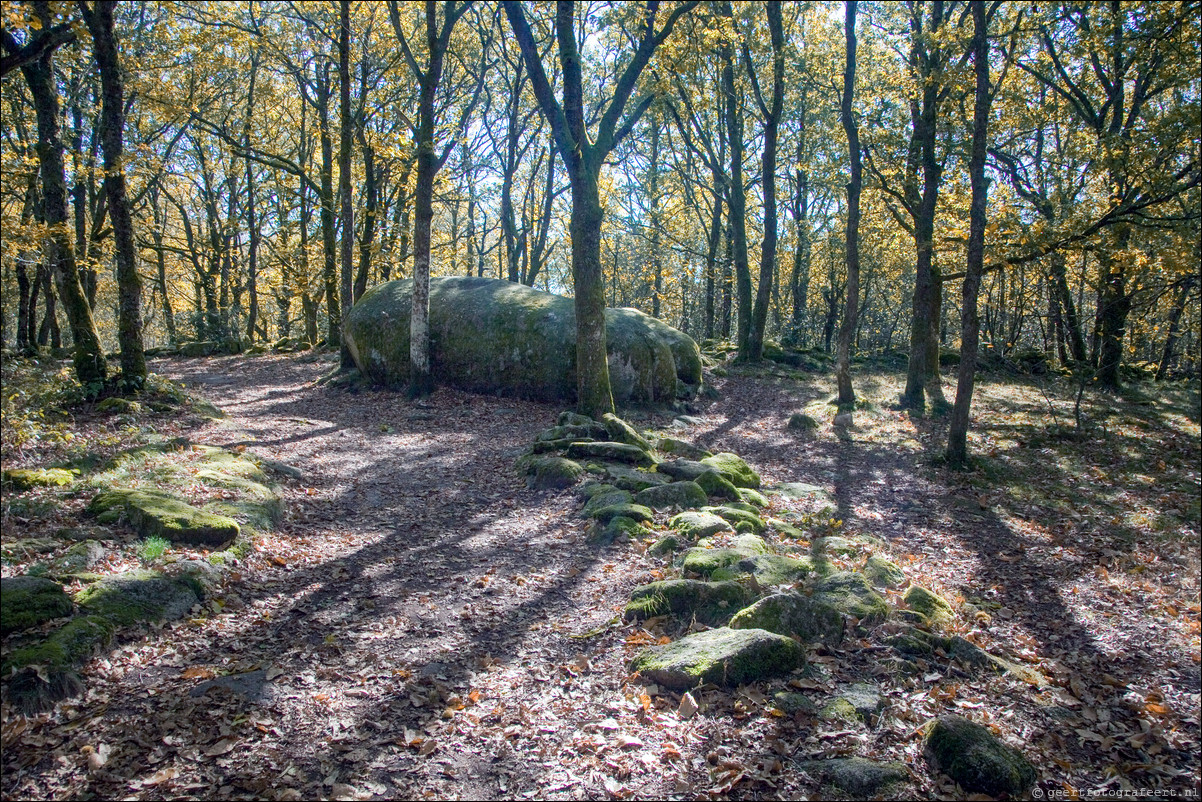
(427, 552)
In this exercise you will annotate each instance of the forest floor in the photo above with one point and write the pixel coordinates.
(424, 626)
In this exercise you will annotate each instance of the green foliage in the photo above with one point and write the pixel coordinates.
(152, 548)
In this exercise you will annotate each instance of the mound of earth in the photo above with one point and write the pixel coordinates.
(495, 336)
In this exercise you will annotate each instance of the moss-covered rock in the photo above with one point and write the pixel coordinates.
(668, 544)
(678, 495)
(723, 656)
(118, 405)
(718, 486)
(681, 448)
(884, 573)
(735, 516)
(974, 757)
(695, 525)
(684, 469)
(572, 433)
(617, 452)
(798, 491)
(157, 514)
(552, 473)
(628, 477)
(793, 702)
(753, 497)
(801, 422)
(833, 545)
(771, 569)
(43, 673)
(850, 593)
(711, 603)
(857, 777)
(793, 614)
(26, 547)
(618, 527)
(636, 512)
(26, 601)
(734, 469)
(496, 336)
(606, 496)
(933, 608)
(21, 479)
(569, 418)
(140, 596)
(622, 432)
(80, 557)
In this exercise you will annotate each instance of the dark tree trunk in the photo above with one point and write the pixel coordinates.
(329, 237)
(1166, 356)
(847, 396)
(345, 131)
(370, 211)
(252, 220)
(89, 364)
(737, 195)
(957, 437)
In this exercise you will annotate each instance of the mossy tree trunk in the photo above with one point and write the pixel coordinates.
(345, 129)
(89, 364)
(112, 129)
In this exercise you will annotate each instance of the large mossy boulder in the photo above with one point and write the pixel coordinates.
(21, 479)
(973, 756)
(26, 601)
(496, 336)
(552, 473)
(933, 608)
(793, 614)
(696, 525)
(711, 603)
(723, 656)
(156, 514)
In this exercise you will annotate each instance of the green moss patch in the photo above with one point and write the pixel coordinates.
(694, 525)
(22, 479)
(711, 603)
(850, 593)
(679, 495)
(723, 656)
(974, 757)
(793, 614)
(932, 607)
(553, 473)
(618, 452)
(735, 516)
(156, 514)
(140, 596)
(857, 777)
(884, 573)
(27, 601)
(733, 469)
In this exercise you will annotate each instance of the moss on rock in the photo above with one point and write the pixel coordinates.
(884, 573)
(496, 336)
(932, 607)
(735, 516)
(606, 496)
(21, 479)
(668, 544)
(157, 514)
(679, 495)
(26, 601)
(723, 656)
(618, 452)
(552, 473)
(718, 486)
(850, 593)
(140, 596)
(681, 448)
(694, 525)
(711, 603)
(44, 673)
(636, 512)
(734, 469)
(857, 777)
(795, 615)
(622, 432)
(972, 756)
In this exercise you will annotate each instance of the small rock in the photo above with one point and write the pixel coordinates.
(723, 656)
(733, 469)
(681, 495)
(857, 776)
(711, 603)
(793, 614)
(931, 606)
(695, 525)
(974, 757)
(884, 573)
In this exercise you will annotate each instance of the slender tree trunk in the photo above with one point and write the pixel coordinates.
(727, 277)
(112, 128)
(371, 210)
(799, 286)
(737, 196)
(657, 268)
(329, 236)
(25, 343)
(847, 396)
(252, 220)
(759, 316)
(345, 131)
(89, 364)
(957, 437)
(711, 256)
(1166, 356)
(1115, 305)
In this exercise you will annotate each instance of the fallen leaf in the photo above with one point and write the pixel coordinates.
(688, 707)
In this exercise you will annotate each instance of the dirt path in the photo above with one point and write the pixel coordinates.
(414, 628)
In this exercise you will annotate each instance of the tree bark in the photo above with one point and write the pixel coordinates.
(89, 365)
(847, 396)
(345, 131)
(957, 437)
(112, 128)
(736, 194)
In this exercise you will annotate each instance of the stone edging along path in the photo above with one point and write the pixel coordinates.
(748, 597)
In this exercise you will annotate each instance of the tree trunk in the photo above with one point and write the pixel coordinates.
(957, 436)
(1166, 356)
(847, 396)
(112, 128)
(737, 196)
(345, 130)
(594, 397)
(252, 220)
(1115, 305)
(370, 210)
(89, 364)
(759, 315)
(329, 237)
